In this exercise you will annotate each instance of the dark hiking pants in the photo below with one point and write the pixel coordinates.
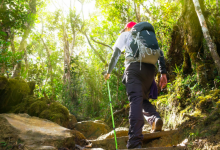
(138, 83)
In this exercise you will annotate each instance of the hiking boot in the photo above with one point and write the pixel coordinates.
(139, 146)
(134, 147)
(157, 125)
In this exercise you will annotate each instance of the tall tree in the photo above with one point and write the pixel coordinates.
(66, 76)
(137, 11)
(217, 6)
(211, 44)
(32, 12)
(50, 68)
(15, 17)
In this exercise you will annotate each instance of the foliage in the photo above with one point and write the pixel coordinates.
(15, 14)
(9, 59)
(85, 93)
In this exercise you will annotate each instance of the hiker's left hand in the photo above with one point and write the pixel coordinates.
(106, 76)
(163, 81)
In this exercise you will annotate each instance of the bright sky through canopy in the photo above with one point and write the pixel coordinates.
(64, 5)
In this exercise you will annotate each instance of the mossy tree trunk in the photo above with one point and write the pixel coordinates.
(193, 41)
(187, 48)
(3, 50)
(4, 35)
(23, 42)
(187, 68)
(211, 44)
(175, 53)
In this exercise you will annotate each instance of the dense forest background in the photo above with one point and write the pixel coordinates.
(64, 48)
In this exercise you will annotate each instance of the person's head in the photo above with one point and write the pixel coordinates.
(128, 26)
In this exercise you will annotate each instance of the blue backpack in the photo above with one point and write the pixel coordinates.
(144, 44)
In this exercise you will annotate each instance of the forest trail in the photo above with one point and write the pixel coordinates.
(53, 127)
(32, 133)
(148, 137)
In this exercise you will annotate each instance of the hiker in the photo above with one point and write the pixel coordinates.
(138, 40)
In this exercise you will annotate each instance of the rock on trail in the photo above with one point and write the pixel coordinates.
(33, 133)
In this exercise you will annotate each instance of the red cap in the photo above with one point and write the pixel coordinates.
(128, 25)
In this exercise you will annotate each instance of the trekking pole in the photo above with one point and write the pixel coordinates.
(112, 115)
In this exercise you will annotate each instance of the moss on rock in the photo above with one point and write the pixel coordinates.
(37, 107)
(92, 129)
(212, 117)
(206, 103)
(72, 121)
(17, 97)
(59, 108)
(12, 94)
(56, 113)
(23, 106)
(32, 87)
(3, 82)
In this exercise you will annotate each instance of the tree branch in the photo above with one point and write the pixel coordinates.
(100, 57)
(101, 43)
(147, 10)
(96, 52)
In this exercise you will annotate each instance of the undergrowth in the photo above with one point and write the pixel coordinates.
(193, 109)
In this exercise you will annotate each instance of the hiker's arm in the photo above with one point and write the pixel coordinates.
(162, 69)
(118, 47)
(114, 60)
(161, 62)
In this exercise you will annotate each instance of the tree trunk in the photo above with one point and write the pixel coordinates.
(137, 12)
(12, 41)
(217, 7)
(128, 6)
(3, 50)
(25, 59)
(66, 75)
(187, 37)
(23, 42)
(12, 45)
(50, 68)
(211, 45)
(72, 24)
(73, 44)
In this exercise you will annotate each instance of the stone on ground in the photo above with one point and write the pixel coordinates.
(121, 131)
(72, 121)
(92, 129)
(27, 132)
(16, 96)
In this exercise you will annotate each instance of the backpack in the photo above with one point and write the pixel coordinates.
(144, 44)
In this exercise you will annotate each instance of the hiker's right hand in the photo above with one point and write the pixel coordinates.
(163, 81)
(106, 76)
